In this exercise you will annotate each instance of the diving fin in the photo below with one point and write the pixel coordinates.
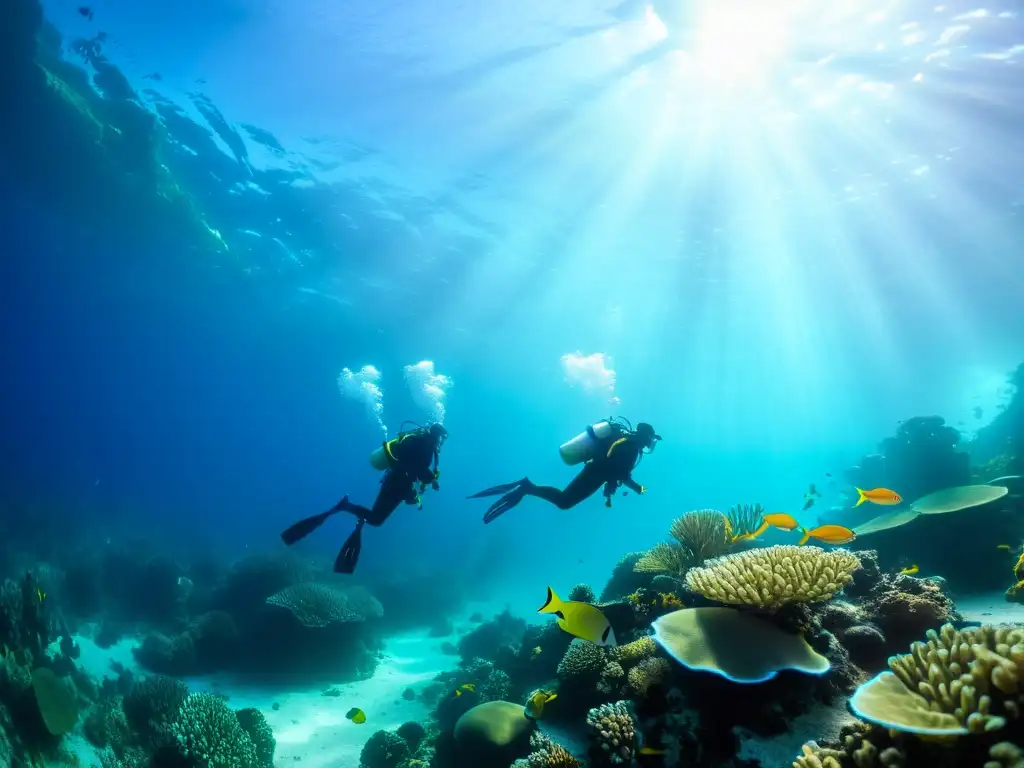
(303, 528)
(349, 554)
(498, 490)
(504, 504)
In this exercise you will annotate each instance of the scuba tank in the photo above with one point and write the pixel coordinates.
(379, 458)
(584, 446)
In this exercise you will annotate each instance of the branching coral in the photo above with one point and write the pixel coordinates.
(611, 677)
(956, 682)
(152, 705)
(774, 576)
(208, 732)
(612, 733)
(318, 605)
(383, 749)
(547, 754)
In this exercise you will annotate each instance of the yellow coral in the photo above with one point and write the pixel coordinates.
(958, 682)
(774, 576)
(635, 652)
(647, 673)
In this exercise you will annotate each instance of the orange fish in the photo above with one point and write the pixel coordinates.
(829, 534)
(882, 496)
(781, 520)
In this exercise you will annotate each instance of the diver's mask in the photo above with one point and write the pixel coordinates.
(439, 433)
(646, 434)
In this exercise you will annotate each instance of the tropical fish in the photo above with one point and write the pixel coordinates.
(651, 751)
(829, 534)
(535, 652)
(356, 715)
(580, 620)
(1003, 546)
(467, 688)
(808, 503)
(781, 520)
(910, 570)
(40, 595)
(812, 491)
(535, 704)
(882, 496)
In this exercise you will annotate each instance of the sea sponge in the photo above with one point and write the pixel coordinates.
(647, 673)
(612, 732)
(734, 644)
(956, 682)
(634, 652)
(582, 659)
(318, 605)
(57, 704)
(493, 723)
(774, 576)
(206, 730)
(548, 754)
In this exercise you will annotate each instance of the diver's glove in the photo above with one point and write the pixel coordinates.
(643, 489)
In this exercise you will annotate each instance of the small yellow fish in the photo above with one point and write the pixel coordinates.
(651, 751)
(581, 620)
(535, 704)
(468, 687)
(535, 652)
(1003, 546)
(910, 570)
(882, 496)
(781, 520)
(356, 715)
(40, 595)
(829, 534)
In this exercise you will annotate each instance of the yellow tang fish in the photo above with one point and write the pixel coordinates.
(910, 570)
(651, 751)
(829, 534)
(580, 620)
(356, 715)
(781, 520)
(535, 704)
(1003, 546)
(882, 496)
(470, 687)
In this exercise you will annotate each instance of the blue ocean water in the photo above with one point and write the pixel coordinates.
(774, 233)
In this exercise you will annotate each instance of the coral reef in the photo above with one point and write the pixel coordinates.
(774, 576)
(696, 537)
(612, 734)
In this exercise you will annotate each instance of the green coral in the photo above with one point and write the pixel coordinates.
(696, 536)
(209, 733)
(151, 706)
(255, 724)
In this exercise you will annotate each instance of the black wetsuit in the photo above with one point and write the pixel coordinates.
(412, 457)
(411, 460)
(611, 467)
(610, 470)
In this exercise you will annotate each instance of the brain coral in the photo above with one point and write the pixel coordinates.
(774, 576)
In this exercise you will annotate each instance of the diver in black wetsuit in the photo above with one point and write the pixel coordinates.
(412, 458)
(614, 459)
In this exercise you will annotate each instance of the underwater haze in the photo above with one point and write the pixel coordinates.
(245, 242)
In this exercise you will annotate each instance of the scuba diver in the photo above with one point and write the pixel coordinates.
(410, 458)
(611, 450)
